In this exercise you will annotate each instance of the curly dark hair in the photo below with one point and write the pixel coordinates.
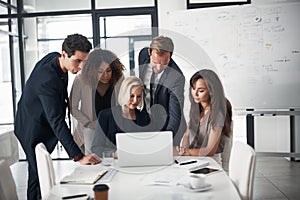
(76, 42)
(219, 103)
(92, 64)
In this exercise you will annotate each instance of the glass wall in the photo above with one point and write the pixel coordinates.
(8, 46)
(121, 34)
(45, 24)
(6, 106)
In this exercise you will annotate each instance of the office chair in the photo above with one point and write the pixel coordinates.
(45, 169)
(8, 189)
(241, 169)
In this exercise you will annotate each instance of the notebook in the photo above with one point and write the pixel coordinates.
(145, 149)
(85, 174)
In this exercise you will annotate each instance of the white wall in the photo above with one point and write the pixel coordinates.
(166, 6)
(272, 134)
(185, 48)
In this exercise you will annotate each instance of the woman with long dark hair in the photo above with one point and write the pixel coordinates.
(210, 117)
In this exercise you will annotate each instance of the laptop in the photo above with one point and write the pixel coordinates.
(145, 149)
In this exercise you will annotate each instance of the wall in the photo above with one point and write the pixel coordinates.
(271, 133)
(255, 50)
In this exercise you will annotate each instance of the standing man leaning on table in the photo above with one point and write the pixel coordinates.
(164, 86)
(42, 108)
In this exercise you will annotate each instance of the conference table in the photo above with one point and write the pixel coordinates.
(155, 182)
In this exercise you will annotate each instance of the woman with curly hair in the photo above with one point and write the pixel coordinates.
(95, 89)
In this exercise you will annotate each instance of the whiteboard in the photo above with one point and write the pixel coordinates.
(255, 50)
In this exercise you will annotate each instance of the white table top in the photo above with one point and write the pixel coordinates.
(138, 183)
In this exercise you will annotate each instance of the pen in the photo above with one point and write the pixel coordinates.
(186, 163)
(74, 196)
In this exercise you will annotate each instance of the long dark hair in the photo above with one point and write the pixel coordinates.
(92, 64)
(218, 102)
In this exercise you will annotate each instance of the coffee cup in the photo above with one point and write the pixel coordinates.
(197, 180)
(100, 192)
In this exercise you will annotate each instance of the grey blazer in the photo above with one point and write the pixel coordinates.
(169, 94)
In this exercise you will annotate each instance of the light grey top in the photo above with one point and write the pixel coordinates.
(200, 139)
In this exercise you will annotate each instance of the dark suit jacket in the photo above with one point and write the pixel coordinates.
(169, 94)
(42, 109)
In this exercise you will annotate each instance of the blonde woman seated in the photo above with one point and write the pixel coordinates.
(128, 117)
(210, 117)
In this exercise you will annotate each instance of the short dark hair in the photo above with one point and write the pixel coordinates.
(76, 42)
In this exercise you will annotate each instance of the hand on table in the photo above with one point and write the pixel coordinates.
(181, 151)
(91, 159)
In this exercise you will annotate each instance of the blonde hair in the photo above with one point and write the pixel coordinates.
(126, 86)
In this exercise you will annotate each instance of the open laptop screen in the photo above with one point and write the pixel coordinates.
(145, 148)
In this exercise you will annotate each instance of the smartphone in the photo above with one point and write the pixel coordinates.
(205, 170)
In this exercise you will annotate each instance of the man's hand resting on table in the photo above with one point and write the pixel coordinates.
(91, 159)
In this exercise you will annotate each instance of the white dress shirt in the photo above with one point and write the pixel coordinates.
(147, 80)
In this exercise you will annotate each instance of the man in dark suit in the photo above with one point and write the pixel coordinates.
(164, 86)
(42, 108)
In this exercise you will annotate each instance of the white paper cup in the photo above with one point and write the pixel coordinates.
(197, 180)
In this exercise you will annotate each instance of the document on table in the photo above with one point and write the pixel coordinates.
(161, 178)
(192, 164)
(85, 174)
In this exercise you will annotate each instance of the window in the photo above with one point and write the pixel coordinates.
(8, 47)
(120, 34)
(50, 39)
(47, 23)
(6, 106)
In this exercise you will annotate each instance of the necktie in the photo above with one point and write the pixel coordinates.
(152, 88)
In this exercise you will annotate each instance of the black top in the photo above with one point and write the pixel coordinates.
(112, 122)
(105, 101)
